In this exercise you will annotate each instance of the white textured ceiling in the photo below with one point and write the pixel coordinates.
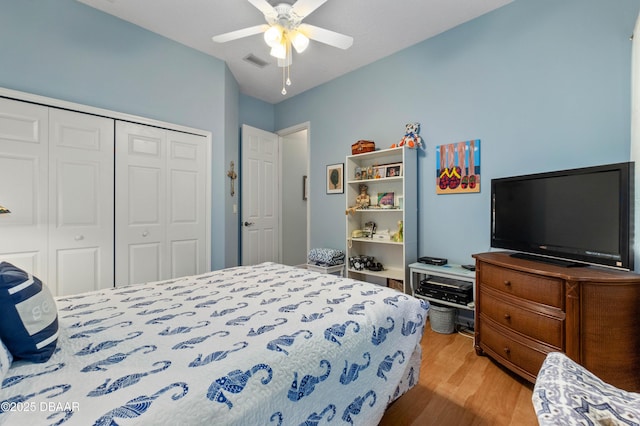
(379, 28)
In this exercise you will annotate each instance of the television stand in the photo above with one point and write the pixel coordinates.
(524, 310)
(549, 260)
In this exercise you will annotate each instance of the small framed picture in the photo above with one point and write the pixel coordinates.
(394, 170)
(379, 172)
(386, 199)
(358, 173)
(335, 179)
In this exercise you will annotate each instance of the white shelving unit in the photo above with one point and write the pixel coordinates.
(394, 256)
(457, 272)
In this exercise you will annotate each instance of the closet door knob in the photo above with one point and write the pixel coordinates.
(79, 237)
(145, 233)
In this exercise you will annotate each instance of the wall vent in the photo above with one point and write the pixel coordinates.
(253, 59)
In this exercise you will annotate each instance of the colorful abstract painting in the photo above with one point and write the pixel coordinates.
(458, 167)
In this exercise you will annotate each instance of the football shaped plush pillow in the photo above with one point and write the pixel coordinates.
(28, 315)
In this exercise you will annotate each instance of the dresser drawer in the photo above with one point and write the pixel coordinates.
(517, 353)
(534, 324)
(539, 289)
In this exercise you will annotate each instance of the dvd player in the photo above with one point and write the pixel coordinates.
(446, 289)
(438, 261)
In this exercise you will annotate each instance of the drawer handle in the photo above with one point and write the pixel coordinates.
(507, 317)
(507, 350)
(507, 283)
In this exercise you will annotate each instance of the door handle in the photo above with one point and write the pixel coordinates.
(248, 223)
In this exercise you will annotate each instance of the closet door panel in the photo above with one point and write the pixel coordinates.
(140, 204)
(81, 202)
(23, 185)
(78, 270)
(184, 257)
(145, 263)
(186, 225)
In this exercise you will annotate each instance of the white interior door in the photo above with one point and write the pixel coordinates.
(24, 131)
(140, 208)
(81, 202)
(260, 197)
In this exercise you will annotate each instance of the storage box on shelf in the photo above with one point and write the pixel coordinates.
(392, 191)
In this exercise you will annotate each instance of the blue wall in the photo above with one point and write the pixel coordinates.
(545, 84)
(257, 113)
(66, 50)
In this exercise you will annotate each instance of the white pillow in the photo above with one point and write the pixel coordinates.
(5, 361)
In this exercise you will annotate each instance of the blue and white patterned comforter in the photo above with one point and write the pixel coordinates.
(262, 345)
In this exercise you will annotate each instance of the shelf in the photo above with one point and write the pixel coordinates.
(378, 210)
(373, 240)
(382, 153)
(394, 256)
(394, 274)
(443, 302)
(382, 179)
(452, 270)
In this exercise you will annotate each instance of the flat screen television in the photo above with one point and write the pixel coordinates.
(573, 217)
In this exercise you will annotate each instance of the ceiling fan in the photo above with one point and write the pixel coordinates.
(284, 29)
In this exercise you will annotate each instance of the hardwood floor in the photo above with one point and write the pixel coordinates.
(458, 387)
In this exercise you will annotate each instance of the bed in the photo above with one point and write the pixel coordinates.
(262, 345)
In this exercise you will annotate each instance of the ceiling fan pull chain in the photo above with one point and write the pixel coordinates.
(284, 91)
(289, 54)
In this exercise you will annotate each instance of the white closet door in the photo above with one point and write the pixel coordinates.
(23, 185)
(186, 221)
(140, 204)
(160, 204)
(81, 202)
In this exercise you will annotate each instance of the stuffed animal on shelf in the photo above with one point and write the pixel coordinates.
(398, 237)
(362, 200)
(411, 137)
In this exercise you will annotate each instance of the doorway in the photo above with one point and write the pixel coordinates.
(279, 199)
(295, 201)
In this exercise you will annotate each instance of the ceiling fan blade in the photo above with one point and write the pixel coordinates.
(245, 32)
(325, 36)
(263, 6)
(303, 8)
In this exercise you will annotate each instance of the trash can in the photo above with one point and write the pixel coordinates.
(442, 319)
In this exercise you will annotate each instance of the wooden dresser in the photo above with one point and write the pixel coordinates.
(526, 309)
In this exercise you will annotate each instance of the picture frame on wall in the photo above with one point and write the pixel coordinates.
(335, 178)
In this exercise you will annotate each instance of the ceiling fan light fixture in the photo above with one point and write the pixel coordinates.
(273, 36)
(279, 51)
(300, 41)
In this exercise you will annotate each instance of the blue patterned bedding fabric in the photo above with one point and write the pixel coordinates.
(567, 394)
(261, 345)
(325, 257)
